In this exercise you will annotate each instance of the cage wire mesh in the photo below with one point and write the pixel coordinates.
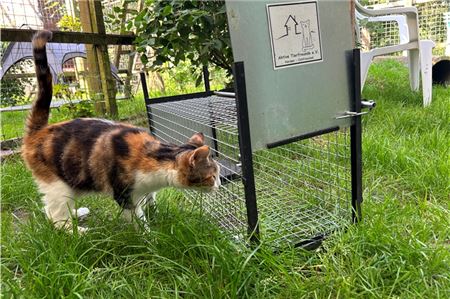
(303, 189)
(386, 33)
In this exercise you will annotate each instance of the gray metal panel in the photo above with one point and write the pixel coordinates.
(292, 101)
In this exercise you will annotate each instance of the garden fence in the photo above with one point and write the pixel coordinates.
(73, 72)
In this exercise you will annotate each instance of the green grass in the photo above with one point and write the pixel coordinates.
(401, 249)
(406, 147)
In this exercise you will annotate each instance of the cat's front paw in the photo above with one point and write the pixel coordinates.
(82, 213)
(68, 226)
(82, 230)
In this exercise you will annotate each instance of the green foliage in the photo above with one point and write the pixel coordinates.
(12, 90)
(84, 108)
(69, 23)
(72, 108)
(114, 18)
(177, 31)
(185, 77)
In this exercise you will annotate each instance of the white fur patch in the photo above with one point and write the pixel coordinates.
(58, 200)
(110, 122)
(147, 182)
(59, 204)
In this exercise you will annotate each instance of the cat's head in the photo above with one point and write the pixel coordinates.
(197, 169)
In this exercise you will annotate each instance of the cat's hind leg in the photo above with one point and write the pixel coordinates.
(137, 206)
(59, 203)
(148, 200)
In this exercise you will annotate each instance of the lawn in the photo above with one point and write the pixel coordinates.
(401, 249)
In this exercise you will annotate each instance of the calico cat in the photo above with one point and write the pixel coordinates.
(96, 155)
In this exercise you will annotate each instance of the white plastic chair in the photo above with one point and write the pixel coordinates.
(419, 52)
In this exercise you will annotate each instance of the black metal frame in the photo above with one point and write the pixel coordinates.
(302, 137)
(245, 147)
(206, 81)
(147, 101)
(356, 140)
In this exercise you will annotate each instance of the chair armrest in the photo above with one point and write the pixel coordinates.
(410, 11)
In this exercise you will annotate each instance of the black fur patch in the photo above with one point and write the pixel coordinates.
(119, 144)
(122, 192)
(168, 152)
(40, 154)
(74, 170)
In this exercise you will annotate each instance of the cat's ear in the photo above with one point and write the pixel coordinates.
(197, 139)
(198, 155)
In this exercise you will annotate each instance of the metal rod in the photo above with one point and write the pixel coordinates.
(225, 94)
(355, 141)
(212, 124)
(245, 146)
(301, 137)
(368, 104)
(211, 112)
(182, 97)
(147, 101)
(206, 78)
(349, 114)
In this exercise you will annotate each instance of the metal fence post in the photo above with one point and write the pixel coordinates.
(245, 148)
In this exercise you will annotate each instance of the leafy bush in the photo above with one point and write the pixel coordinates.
(13, 89)
(81, 109)
(69, 23)
(72, 108)
(178, 31)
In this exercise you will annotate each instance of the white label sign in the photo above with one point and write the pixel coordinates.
(294, 33)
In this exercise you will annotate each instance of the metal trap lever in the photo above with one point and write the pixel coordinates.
(348, 114)
(365, 104)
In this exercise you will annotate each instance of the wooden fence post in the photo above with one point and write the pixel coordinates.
(101, 83)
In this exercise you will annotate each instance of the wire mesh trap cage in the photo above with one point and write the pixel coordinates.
(303, 188)
(289, 144)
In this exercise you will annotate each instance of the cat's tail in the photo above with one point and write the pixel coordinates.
(38, 117)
